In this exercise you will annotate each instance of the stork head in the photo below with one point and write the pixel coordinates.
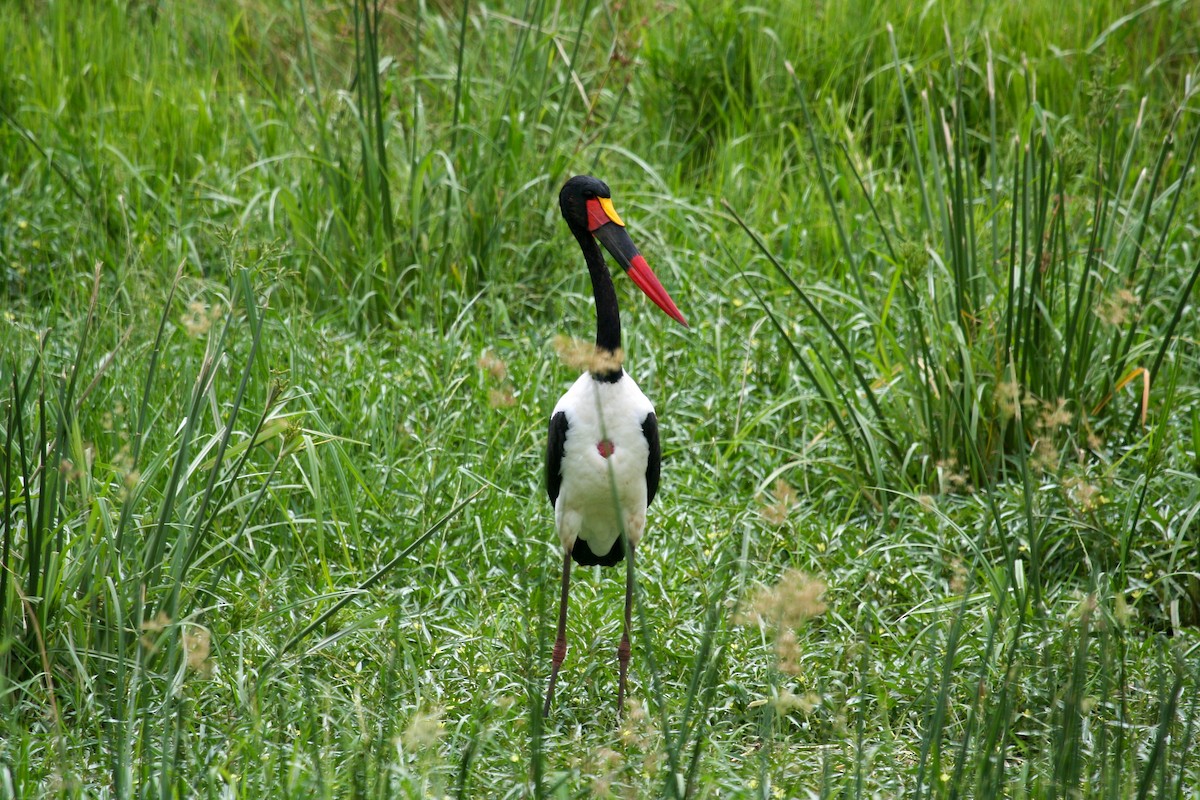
(586, 205)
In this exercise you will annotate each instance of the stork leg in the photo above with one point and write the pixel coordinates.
(623, 648)
(560, 643)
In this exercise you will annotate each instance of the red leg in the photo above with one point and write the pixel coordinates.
(560, 643)
(623, 648)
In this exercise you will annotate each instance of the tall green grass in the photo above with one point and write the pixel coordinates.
(278, 283)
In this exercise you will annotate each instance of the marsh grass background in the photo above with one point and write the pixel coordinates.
(280, 286)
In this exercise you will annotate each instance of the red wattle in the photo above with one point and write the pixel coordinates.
(596, 215)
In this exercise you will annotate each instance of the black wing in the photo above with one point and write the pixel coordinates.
(556, 446)
(653, 464)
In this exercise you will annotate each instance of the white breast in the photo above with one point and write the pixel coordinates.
(587, 507)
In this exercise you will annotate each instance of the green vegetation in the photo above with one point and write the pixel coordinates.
(279, 285)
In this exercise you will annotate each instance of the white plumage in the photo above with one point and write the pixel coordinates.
(599, 412)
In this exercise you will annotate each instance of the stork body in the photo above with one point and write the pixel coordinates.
(598, 426)
(602, 457)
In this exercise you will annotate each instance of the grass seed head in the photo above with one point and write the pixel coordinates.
(958, 576)
(607, 764)
(1008, 399)
(1055, 415)
(153, 626)
(1085, 495)
(787, 652)
(784, 496)
(787, 702)
(424, 729)
(635, 727)
(1118, 308)
(796, 598)
(159, 623)
(1044, 457)
(1122, 611)
(197, 646)
(199, 318)
(583, 355)
(1075, 153)
(501, 398)
(952, 478)
(493, 365)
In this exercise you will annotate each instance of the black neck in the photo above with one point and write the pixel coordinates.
(608, 318)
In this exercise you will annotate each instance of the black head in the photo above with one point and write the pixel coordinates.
(572, 199)
(586, 205)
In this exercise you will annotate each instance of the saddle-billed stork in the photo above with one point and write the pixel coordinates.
(602, 458)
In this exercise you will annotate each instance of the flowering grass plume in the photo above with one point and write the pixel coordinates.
(197, 647)
(785, 500)
(425, 729)
(503, 394)
(583, 355)
(787, 605)
(492, 364)
(200, 317)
